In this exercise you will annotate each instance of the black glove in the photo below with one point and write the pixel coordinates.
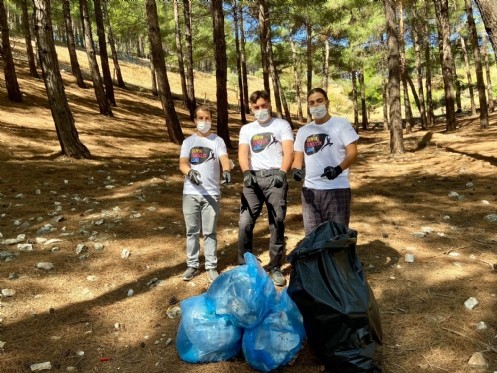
(249, 179)
(226, 177)
(194, 177)
(279, 179)
(298, 174)
(331, 172)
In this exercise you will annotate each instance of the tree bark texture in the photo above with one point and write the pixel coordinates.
(296, 78)
(484, 49)
(179, 52)
(480, 83)
(57, 100)
(98, 87)
(221, 70)
(426, 47)
(263, 34)
(190, 85)
(354, 99)
(419, 72)
(112, 44)
(27, 38)
(396, 139)
(488, 11)
(104, 56)
(364, 108)
(241, 99)
(243, 57)
(172, 123)
(71, 45)
(9, 68)
(468, 75)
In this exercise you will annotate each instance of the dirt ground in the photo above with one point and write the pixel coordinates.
(128, 197)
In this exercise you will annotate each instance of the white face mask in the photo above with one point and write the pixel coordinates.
(203, 127)
(262, 115)
(318, 112)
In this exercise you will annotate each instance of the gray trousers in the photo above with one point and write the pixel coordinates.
(200, 213)
(253, 200)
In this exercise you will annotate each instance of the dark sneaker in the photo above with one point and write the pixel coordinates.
(277, 277)
(212, 274)
(189, 273)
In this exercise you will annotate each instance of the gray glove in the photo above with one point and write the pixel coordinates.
(226, 177)
(279, 179)
(249, 179)
(194, 177)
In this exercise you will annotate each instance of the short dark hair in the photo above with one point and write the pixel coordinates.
(318, 90)
(202, 108)
(259, 94)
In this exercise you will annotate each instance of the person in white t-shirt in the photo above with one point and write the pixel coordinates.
(200, 158)
(265, 154)
(327, 146)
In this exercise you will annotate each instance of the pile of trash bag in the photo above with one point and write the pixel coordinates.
(241, 311)
(341, 316)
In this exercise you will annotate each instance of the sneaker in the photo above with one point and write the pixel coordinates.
(189, 273)
(212, 274)
(277, 277)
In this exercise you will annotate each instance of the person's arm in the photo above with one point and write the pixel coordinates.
(350, 155)
(298, 160)
(287, 155)
(184, 165)
(243, 157)
(225, 162)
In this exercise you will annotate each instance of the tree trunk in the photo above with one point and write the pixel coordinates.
(396, 139)
(326, 64)
(309, 62)
(419, 73)
(57, 100)
(484, 49)
(480, 83)
(296, 78)
(468, 75)
(172, 123)
(244, 63)
(364, 109)
(71, 45)
(9, 67)
(179, 52)
(354, 99)
(221, 70)
(27, 38)
(153, 77)
(104, 56)
(263, 33)
(190, 84)
(386, 122)
(426, 46)
(442, 16)
(488, 11)
(112, 44)
(403, 72)
(98, 87)
(457, 84)
(238, 63)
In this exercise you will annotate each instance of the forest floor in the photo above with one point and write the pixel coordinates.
(81, 313)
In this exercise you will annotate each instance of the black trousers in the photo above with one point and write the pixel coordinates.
(252, 202)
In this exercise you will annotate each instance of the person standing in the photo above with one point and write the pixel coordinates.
(265, 154)
(200, 158)
(327, 146)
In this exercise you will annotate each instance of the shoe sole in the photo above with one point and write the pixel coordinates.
(191, 277)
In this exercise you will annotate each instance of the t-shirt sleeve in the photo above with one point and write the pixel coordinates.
(185, 149)
(349, 134)
(298, 145)
(243, 137)
(286, 133)
(221, 147)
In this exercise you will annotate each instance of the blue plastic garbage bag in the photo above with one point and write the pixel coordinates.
(277, 339)
(204, 336)
(341, 316)
(245, 293)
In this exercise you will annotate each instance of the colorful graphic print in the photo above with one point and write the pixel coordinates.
(316, 143)
(262, 141)
(200, 154)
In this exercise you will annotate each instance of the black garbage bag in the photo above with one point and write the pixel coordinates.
(341, 316)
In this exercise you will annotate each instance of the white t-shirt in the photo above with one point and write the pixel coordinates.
(203, 154)
(265, 142)
(324, 145)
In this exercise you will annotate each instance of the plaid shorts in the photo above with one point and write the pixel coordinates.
(319, 206)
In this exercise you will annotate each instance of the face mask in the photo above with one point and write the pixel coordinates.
(318, 112)
(203, 127)
(262, 115)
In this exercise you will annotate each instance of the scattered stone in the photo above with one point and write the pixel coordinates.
(168, 342)
(80, 353)
(12, 241)
(117, 326)
(47, 228)
(45, 265)
(130, 292)
(4, 255)
(24, 247)
(491, 217)
(70, 369)
(13, 276)
(55, 249)
(485, 202)
(152, 282)
(469, 184)
(41, 366)
(454, 254)
(8, 292)
(81, 249)
(420, 234)
(426, 229)
(58, 218)
(40, 240)
(19, 196)
(477, 360)
(409, 258)
(453, 194)
(481, 325)
(99, 222)
(37, 192)
(2, 344)
(470, 303)
(125, 253)
(98, 246)
(173, 312)
(92, 278)
(52, 241)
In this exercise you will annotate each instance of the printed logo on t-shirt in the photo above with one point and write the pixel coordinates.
(201, 154)
(317, 142)
(262, 141)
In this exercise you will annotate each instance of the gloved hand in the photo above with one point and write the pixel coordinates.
(194, 177)
(249, 179)
(298, 174)
(279, 179)
(226, 177)
(331, 172)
